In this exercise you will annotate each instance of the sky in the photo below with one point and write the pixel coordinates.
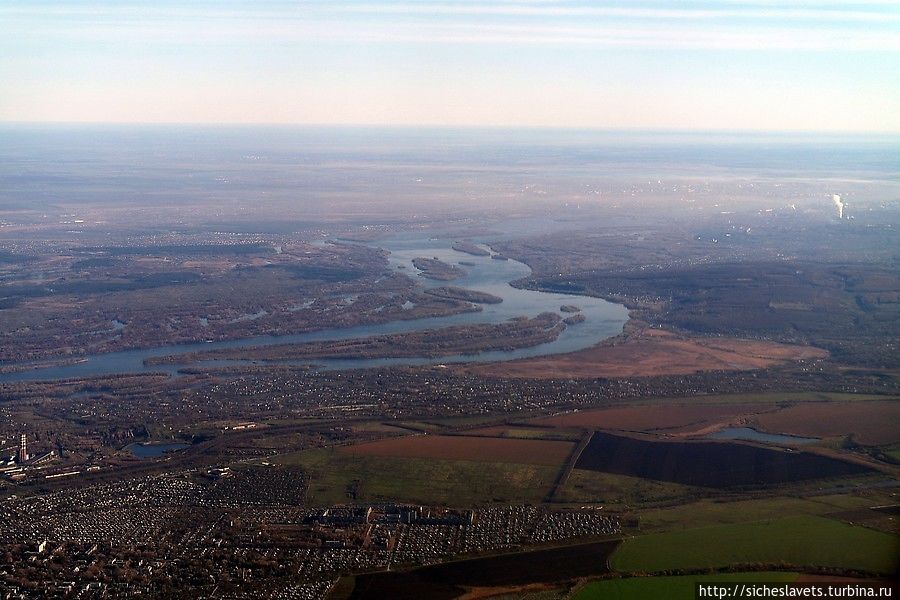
(766, 65)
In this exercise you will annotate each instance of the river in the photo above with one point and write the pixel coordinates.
(602, 320)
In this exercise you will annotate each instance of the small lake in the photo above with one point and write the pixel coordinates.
(154, 450)
(752, 435)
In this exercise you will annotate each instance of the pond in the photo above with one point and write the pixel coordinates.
(153, 450)
(752, 435)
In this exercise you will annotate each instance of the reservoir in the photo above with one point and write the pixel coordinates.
(152, 450)
(752, 435)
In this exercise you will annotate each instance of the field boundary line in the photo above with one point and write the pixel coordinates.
(567, 468)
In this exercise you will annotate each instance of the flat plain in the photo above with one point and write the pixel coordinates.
(670, 588)
(473, 448)
(750, 304)
(709, 463)
(870, 423)
(661, 418)
(654, 352)
(337, 477)
(807, 541)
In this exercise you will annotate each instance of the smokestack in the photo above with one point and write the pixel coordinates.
(23, 448)
(839, 204)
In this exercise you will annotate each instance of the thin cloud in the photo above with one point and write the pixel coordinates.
(616, 11)
(511, 23)
(747, 9)
(633, 36)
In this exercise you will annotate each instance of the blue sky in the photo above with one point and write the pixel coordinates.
(773, 65)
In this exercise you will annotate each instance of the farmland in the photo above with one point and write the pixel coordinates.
(767, 397)
(663, 418)
(669, 588)
(708, 464)
(528, 433)
(801, 541)
(337, 476)
(870, 423)
(748, 305)
(473, 448)
(708, 512)
(610, 489)
(655, 352)
(868, 419)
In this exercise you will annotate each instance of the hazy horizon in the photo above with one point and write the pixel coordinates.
(689, 131)
(712, 65)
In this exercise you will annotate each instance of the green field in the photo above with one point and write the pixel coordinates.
(708, 512)
(668, 588)
(427, 481)
(419, 426)
(804, 540)
(594, 487)
(379, 427)
(530, 433)
(893, 452)
(467, 421)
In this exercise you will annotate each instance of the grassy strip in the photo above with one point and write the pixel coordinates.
(668, 588)
(803, 540)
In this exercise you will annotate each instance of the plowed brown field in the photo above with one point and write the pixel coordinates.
(872, 423)
(458, 447)
(663, 418)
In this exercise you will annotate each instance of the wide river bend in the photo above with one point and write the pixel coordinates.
(602, 320)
